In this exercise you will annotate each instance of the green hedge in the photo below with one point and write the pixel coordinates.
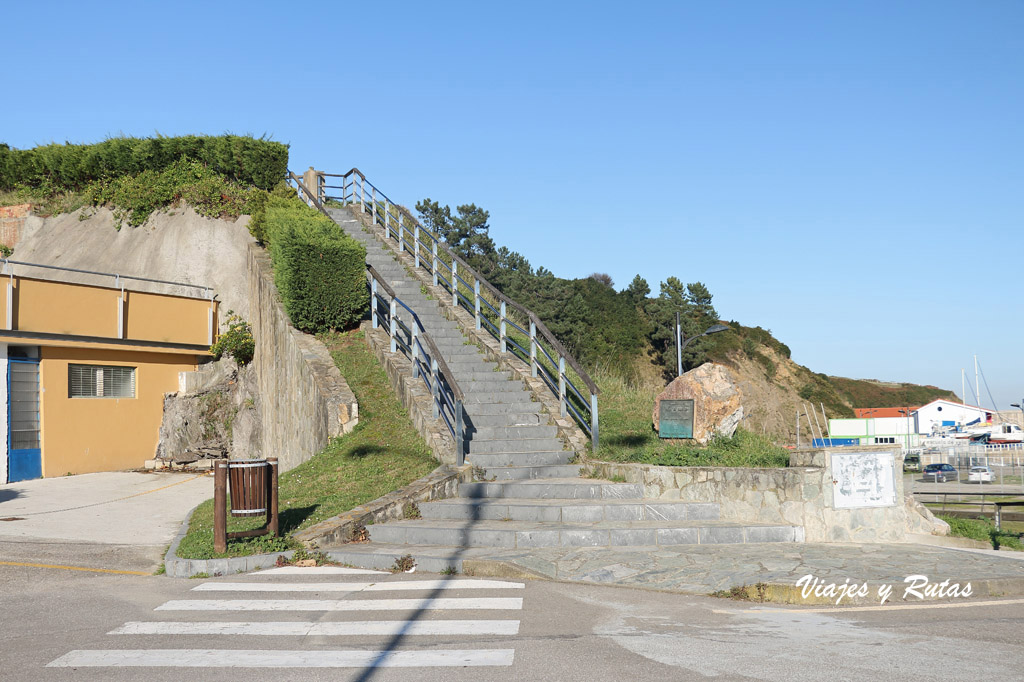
(248, 160)
(320, 271)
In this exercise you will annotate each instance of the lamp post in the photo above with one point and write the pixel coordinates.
(681, 344)
(1020, 406)
(906, 413)
(798, 415)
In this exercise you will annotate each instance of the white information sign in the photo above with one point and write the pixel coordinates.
(863, 479)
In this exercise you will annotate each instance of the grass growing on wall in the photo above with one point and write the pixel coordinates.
(382, 454)
(627, 433)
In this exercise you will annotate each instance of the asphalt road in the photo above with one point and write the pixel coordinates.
(563, 632)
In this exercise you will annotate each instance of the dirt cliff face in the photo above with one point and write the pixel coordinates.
(176, 245)
(775, 391)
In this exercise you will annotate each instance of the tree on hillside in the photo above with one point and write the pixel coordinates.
(604, 278)
(466, 233)
(693, 302)
(638, 289)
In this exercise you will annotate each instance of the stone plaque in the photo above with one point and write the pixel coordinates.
(863, 479)
(675, 419)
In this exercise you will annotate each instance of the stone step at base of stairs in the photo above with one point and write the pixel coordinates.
(521, 459)
(527, 534)
(497, 409)
(530, 472)
(506, 418)
(569, 511)
(549, 489)
(515, 445)
(514, 432)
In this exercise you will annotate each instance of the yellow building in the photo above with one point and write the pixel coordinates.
(88, 363)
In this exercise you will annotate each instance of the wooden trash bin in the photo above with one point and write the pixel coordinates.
(249, 485)
(253, 491)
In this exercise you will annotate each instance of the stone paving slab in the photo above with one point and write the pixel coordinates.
(707, 569)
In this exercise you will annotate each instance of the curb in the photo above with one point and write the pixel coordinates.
(177, 567)
(437, 484)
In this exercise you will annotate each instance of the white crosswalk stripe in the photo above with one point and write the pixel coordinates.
(408, 585)
(419, 617)
(425, 604)
(235, 658)
(337, 629)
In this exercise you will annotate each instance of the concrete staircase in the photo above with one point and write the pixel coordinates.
(530, 495)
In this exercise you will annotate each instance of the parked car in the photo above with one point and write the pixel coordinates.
(981, 475)
(940, 473)
(912, 463)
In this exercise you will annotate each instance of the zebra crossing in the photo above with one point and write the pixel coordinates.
(349, 604)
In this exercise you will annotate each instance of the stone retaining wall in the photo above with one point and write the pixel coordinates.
(440, 484)
(304, 400)
(412, 393)
(801, 494)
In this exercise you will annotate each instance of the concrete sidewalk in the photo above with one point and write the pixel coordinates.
(117, 520)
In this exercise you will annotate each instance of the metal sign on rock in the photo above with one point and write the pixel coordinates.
(675, 419)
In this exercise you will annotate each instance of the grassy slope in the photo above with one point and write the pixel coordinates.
(983, 529)
(383, 453)
(627, 433)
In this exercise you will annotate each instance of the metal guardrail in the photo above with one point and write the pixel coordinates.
(415, 343)
(8, 270)
(517, 329)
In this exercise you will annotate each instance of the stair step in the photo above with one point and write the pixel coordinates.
(528, 534)
(501, 409)
(549, 489)
(493, 386)
(516, 445)
(513, 432)
(483, 375)
(570, 511)
(500, 398)
(508, 459)
(506, 418)
(531, 472)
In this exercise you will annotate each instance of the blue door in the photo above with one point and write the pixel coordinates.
(25, 460)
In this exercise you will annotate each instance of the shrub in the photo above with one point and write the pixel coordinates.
(320, 272)
(135, 197)
(248, 160)
(236, 342)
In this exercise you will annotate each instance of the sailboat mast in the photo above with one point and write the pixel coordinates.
(977, 384)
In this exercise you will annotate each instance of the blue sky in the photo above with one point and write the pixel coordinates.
(848, 175)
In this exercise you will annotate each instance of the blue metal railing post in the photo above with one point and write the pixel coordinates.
(476, 301)
(414, 354)
(416, 243)
(501, 330)
(433, 264)
(561, 384)
(373, 301)
(435, 387)
(387, 221)
(533, 349)
(593, 421)
(394, 324)
(460, 435)
(455, 283)
(362, 195)
(373, 198)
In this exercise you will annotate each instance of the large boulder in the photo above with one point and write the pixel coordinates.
(716, 401)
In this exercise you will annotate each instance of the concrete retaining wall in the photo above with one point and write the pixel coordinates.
(801, 495)
(304, 400)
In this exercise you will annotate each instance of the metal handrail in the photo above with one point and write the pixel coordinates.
(435, 364)
(397, 220)
(117, 277)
